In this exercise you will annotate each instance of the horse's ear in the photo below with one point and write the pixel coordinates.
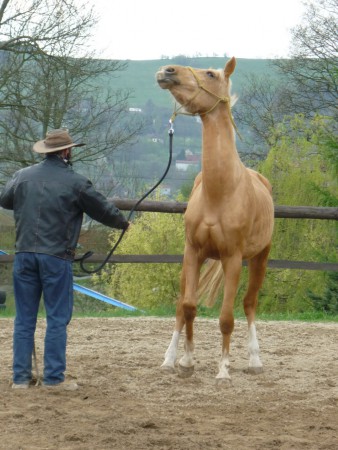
(230, 67)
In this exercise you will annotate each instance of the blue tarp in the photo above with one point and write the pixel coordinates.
(103, 298)
(97, 295)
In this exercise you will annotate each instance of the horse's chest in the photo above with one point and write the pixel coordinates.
(212, 235)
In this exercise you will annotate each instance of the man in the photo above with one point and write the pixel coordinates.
(49, 200)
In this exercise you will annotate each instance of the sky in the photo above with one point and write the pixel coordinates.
(149, 29)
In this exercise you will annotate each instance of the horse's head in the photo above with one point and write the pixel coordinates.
(198, 90)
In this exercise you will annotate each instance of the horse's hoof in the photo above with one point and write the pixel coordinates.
(223, 382)
(167, 368)
(254, 370)
(185, 372)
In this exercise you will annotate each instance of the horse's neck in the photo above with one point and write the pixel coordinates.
(221, 165)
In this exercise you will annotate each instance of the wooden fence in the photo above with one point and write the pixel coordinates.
(171, 207)
(286, 212)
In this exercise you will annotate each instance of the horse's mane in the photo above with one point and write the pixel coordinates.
(233, 97)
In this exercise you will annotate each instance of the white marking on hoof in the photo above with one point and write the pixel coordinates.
(223, 382)
(224, 367)
(170, 355)
(255, 365)
(168, 368)
(187, 360)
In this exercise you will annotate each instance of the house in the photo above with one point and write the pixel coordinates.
(191, 161)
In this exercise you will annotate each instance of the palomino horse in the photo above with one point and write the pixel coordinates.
(229, 216)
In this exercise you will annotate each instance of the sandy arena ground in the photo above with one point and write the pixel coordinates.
(126, 402)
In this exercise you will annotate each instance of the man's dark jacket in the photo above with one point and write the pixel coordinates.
(49, 200)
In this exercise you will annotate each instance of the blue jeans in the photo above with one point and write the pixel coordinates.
(35, 274)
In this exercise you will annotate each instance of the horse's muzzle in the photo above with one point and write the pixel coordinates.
(166, 78)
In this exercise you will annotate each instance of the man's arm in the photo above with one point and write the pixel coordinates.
(99, 208)
(7, 194)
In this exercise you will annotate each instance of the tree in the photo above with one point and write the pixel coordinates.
(300, 171)
(43, 26)
(328, 301)
(306, 83)
(312, 69)
(45, 84)
(262, 105)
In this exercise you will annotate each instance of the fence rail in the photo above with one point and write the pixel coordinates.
(172, 259)
(287, 212)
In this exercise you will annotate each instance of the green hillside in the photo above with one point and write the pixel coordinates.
(140, 77)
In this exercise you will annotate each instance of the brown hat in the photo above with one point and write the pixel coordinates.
(55, 140)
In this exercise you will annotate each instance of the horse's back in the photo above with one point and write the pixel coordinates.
(258, 176)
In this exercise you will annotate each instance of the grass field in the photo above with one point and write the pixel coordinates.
(100, 309)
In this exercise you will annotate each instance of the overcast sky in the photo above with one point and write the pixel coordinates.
(149, 29)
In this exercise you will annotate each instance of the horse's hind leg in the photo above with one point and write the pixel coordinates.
(191, 266)
(232, 270)
(257, 269)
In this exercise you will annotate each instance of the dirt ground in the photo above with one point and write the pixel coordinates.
(126, 402)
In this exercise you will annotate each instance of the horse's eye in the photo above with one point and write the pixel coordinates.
(210, 74)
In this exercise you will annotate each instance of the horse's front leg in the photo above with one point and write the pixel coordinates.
(232, 270)
(257, 269)
(171, 353)
(185, 315)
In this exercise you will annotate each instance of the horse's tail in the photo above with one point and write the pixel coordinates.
(210, 282)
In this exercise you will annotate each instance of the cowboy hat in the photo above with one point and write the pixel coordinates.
(55, 140)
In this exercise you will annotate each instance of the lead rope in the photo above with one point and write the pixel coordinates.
(88, 254)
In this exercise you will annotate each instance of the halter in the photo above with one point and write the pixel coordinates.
(225, 100)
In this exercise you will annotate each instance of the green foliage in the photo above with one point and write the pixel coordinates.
(148, 285)
(300, 169)
(186, 188)
(328, 301)
(300, 159)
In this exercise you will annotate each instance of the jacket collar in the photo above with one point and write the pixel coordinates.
(55, 160)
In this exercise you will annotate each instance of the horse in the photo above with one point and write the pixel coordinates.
(229, 217)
